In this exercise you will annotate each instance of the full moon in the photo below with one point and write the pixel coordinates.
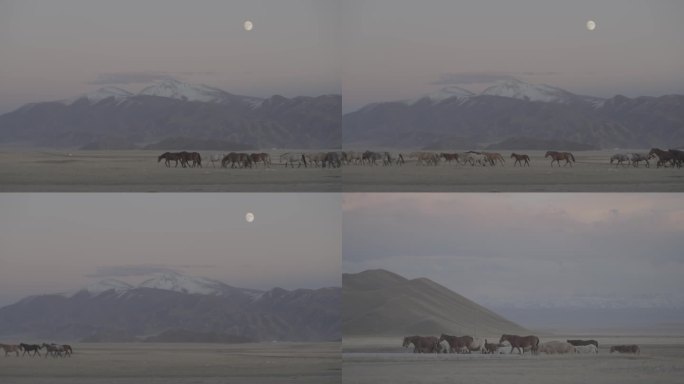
(591, 25)
(249, 217)
(248, 25)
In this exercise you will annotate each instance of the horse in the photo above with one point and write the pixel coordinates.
(520, 158)
(332, 160)
(639, 157)
(467, 158)
(586, 349)
(291, 158)
(168, 158)
(478, 158)
(400, 159)
(28, 348)
(558, 156)
(372, 158)
(457, 343)
(426, 158)
(663, 157)
(214, 158)
(476, 345)
(632, 348)
(556, 347)
(449, 157)
(54, 350)
(9, 348)
(190, 159)
(577, 343)
(316, 158)
(490, 348)
(677, 157)
(422, 344)
(619, 158)
(351, 157)
(521, 342)
(492, 158)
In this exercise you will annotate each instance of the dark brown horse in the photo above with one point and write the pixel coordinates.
(456, 343)
(28, 348)
(558, 156)
(169, 157)
(521, 342)
(664, 157)
(520, 158)
(632, 348)
(449, 157)
(422, 344)
(577, 343)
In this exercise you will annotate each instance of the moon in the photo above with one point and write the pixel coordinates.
(248, 25)
(591, 25)
(249, 217)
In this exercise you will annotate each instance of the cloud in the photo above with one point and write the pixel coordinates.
(142, 77)
(484, 77)
(139, 270)
(472, 78)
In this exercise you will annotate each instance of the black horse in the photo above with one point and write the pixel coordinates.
(35, 348)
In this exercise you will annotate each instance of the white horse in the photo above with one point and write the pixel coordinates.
(620, 158)
(315, 158)
(292, 158)
(214, 158)
(591, 348)
(556, 347)
(639, 157)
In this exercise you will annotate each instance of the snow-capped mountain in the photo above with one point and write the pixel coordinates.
(531, 92)
(445, 93)
(172, 281)
(175, 89)
(102, 94)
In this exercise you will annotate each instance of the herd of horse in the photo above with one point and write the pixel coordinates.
(467, 344)
(52, 349)
(335, 159)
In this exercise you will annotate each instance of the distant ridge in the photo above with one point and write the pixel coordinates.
(382, 303)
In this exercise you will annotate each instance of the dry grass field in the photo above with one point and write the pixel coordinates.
(181, 363)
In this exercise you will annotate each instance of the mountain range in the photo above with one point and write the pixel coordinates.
(176, 307)
(112, 116)
(382, 303)
(517, 115)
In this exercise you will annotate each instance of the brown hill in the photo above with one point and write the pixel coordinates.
(382, 303)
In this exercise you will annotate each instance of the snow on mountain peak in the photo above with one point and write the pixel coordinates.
(177, 282)
(101, 94)
(178, 90)
(518, 89)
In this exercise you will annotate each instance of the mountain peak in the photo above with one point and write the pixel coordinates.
(174, 281)
(519, 89)
(106, 285)
(103, 93)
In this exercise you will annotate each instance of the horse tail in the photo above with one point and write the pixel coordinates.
(572, 157)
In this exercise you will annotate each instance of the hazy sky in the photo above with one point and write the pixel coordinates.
(59, 49)
(401, 49)
(524, 249)
(59, 242)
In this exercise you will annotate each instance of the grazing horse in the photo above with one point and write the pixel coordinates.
(28, 348)
(490, 348)
(422, 344)
(520, 158)
(639, 157)
(590, 349)
(663, 157)
(558, 156)
(620, 158)
(577, 343)
(292, 158)
(521, 342)
(632, 348)
(556, 347)
(9, 348)
(457, 343)
(168, 158)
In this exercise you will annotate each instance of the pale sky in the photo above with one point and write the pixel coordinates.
(54, 242)
(524, 249)
(60, 49)
(402, 49)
